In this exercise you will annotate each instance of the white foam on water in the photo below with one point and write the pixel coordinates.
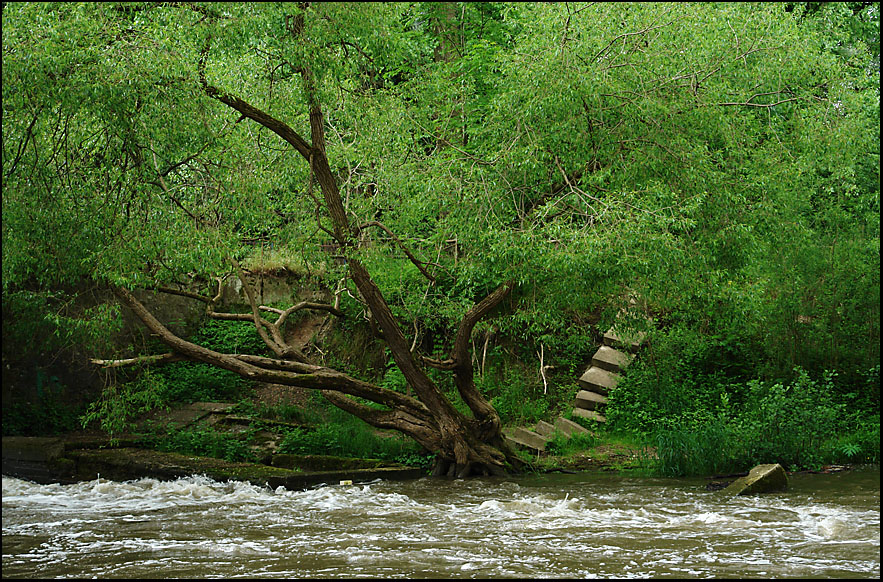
(475, 528)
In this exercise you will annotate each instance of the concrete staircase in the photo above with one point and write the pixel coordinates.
(538, 437)
(616, 352)
(603, 374)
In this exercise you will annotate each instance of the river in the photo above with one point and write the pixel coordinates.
(592, 525)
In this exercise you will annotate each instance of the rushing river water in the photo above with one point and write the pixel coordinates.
(571, 526)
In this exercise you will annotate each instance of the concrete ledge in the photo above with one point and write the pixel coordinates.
(38, 459)
(41, 449)
(630, 342)
(569, 427)
(527, 438)
(590, 414)
(598, 380)
(589, 400)
(298, 481)
(123, 464)
(611, 360)
(545, 429)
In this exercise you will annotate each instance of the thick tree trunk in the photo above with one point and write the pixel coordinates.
(464, 445)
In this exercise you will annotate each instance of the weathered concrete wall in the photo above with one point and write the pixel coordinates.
(77, 381)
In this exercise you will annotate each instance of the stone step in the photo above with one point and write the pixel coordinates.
(545, 429)
(631, 341)
(590, 414)
(612, 360)
(527, 438)
(569, 428)
(589, 400)
(598, 380)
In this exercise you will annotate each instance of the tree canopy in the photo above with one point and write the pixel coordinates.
(721, 160)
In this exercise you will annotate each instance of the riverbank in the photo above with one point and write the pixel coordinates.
(82, 458)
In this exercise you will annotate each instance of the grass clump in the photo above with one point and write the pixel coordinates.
(206, 442)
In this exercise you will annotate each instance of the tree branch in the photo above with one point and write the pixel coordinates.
(278, 127)
(417, 263)
(156, 359)
(261, 369)
(277, 343)
(464, 372)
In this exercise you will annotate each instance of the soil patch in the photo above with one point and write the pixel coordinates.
(606, 457)
(276, 394)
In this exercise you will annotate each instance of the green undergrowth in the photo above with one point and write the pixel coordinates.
(326, 430)
(341, 434)
(711, 427)
(205, 442)
(141, 390)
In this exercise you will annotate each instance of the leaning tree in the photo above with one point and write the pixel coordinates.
(561, 150)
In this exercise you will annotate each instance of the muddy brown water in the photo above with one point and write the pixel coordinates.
(592, 525)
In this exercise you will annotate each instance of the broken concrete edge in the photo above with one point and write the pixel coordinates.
(536, 440)
(124, 464)
(526, 438)
(767, 478)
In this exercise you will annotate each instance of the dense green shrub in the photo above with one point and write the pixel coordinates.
(800, 424)
(514, 399)
(789, 423)
(120, 403)
(50, 414)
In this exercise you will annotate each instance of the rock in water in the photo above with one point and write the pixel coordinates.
(761, 479)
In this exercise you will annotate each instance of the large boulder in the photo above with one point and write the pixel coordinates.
(761, 479)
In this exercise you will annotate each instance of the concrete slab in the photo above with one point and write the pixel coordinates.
(631, 341)
(612, 360)
(545, 429)
(590, 414)
(761, 479)
(37, 459)
(41, 449)
(212, 406)
(527, 438)
(598, 380)
(190, 413)
(570, 428)
(589, 400)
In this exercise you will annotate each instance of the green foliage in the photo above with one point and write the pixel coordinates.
(178, 381)
(120, 403)
(788, 424)
(49, 322)
(562, 445)
(349, 438)
(706, 449)
(231, 337)
(207, 442)
(195, 382)
(800, 424)
(338, 433)
(515, 400)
